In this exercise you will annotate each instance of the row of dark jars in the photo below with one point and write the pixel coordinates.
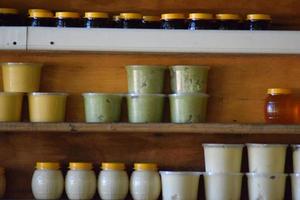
(195, 21)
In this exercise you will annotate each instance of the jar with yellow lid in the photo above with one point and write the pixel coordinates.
(80, 181)
(113, 181)
(279, 106)
(198, 21)
(151, 22)
(68, 19)
(131, 20)
(47, 181)
(10, 17)
(2, 182)
(116, 21)
(96, 20)
(145, 182)
(173, 21)
(40, 18)
(258, 22)
(228, 21)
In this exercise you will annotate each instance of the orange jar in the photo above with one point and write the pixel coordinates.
(279, 106)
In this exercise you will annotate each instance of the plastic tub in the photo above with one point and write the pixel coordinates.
(295, 179)
(145, 108)
(180, 185)
(21, 77)
(225, 186)
(266, 186)
(47, 107)
(296, 158)
(102, 107)
(10, 106)
(266, 158)
(223, 157)
(188, 108)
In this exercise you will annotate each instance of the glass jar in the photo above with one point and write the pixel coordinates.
(198, 21)
(96, 20)
(173, 21)
(131, 20)
(113, 181)
(40, 17)
(145, 182)
(151, 22)
(116, 21)
(279, 106)
(68, 19)
(47, 181)
(80, 181)
(9, 17)
(258, 22)
(228, 21)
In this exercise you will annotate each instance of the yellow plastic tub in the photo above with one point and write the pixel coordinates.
(21, 77)
(47, 107)
(10, 106)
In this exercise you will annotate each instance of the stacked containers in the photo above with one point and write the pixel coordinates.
(266, 178)
(188, 103)
(145, 99)
(295, 177)
(223, 171)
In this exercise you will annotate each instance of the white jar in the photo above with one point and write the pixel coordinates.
(2, 182)
(113, 181)
(80, 181)
(47, 181)
(145, 182)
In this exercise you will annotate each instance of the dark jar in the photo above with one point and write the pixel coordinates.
(96, 20)
(68, 19)
(131, 20)
(200, 21)
(151, 22)
(228, 21)
(258, 22)
(173, 21)
(10, 17)
(40, 18)
(116, 21)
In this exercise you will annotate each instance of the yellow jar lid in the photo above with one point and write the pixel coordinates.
(42, 14)
(8, 11)
(96, 15)
(80, 165)
(113, 166)
(150, 18)
(116, 17)
(145, 166)
(167, 16)
(204, 16)
(131, 16)
(275, 91)
(37, 10)
(62, 15)
(47, 165)
(228, 17)
(258, 17)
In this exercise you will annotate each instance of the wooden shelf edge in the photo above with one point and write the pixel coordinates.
(201, 128)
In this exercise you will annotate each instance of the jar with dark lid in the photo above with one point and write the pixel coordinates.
(151, 22)
(96, 20)
(9, 17)
(40, 17)
(68, 19)
(228, 21)
(131, 20)
(199, 21)
(173, 21)
(116, 21)
(258, 22)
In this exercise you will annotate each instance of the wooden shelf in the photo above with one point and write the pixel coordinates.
(205, 128)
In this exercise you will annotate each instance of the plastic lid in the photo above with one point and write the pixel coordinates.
(258, 17)
(207, 16)
(80, 165)
(96, 15)
(47, 165)
(167, 16)
(151, 18)
(113, 166)
(42, 14)
(131, 16)
(8, 11)
(62, 15)
(228, 17)
(145, 166)
(275, 91)
(37, 10)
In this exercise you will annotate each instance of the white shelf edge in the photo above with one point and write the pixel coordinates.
(13, 38)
